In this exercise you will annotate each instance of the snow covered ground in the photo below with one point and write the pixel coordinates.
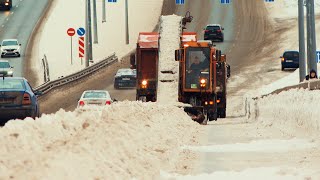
(123, 141)
(55, 43)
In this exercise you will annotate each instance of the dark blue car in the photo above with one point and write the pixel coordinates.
(17, 99)
(290, 59)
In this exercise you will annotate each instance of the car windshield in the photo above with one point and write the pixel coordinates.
(4, 65)
(197, 67)
(9, 43)
(96, 95)
(212, 28)
(291, 55)
(16, 84)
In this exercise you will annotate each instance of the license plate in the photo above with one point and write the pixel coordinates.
(289, 60)
(213, 34)
(6, 101)
(126, 79)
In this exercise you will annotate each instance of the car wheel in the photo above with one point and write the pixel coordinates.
(222, 39)
(222, 113)
(18, 55)
(2, 56)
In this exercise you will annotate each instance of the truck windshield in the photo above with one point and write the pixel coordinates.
(197, 67)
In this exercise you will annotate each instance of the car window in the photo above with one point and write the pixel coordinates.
(212, 28)
(96, 95)
(4, 65)
(291, 55)
(16, 84)
(9, 43)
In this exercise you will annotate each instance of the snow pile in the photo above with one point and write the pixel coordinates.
(125, 140)
(263, 173)
(294, 112)
(283, 9)
(55, 43)
(170, 31)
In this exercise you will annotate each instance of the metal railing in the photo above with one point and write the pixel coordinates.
(48, 86)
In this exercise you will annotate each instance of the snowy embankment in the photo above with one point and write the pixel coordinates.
(54, 42)
(170, 30)
(294, 112)
(95, 144)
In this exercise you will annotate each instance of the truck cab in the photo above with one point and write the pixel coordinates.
(6, 4)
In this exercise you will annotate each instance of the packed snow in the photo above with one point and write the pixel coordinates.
(294, 112)
(170, 31)
(267, 145)
(263, 173)
(55, 43)
(123, 141)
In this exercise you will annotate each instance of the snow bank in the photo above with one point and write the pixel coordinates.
(283, 9)
(263, 173)
(122, 141)
(170, 30)
(55, 43)
(294, 112)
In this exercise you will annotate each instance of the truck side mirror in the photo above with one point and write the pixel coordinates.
(178, 54)
(133, 61)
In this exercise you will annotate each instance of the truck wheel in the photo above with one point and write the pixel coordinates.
(222, 113)
(143, 98)
(282, 68)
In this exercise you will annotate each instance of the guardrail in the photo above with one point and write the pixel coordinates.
(48, 86)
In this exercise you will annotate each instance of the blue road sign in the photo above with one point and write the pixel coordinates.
(225, 1)
(179, 1)
(318, 56)
(112, 0)
(81, 31)
(269, 0)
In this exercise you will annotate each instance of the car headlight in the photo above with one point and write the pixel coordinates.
(4, 50)
(10, 72)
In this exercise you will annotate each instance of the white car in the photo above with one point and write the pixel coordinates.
(10, 47)
(95, 98)
(5, 68)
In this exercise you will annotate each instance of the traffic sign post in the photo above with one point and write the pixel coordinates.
(179, 1)
(71, 32)
(81, 32)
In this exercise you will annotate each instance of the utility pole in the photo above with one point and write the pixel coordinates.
(127, 22)
(95, 28)
(313, 44)
(87, 56)
(302, 63)
(89, 30)
(308, 35)
(103, 11)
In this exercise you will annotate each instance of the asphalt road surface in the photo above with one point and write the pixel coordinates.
(19, 23)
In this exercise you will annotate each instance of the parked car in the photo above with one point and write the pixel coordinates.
(10, 47)
(95, 98)
(17, 99)
(125, 78)
(290, 59)
(214, 32)
(5, 68)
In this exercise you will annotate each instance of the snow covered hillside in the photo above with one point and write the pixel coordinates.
(170, 31)
(123, 141)
(55, 43)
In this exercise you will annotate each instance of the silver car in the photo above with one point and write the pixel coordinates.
(95, 98)
(10, 47)
(5, 68)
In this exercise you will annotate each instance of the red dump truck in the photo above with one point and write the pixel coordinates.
(145, 60)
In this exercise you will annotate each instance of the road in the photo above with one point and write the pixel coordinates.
(19, 23)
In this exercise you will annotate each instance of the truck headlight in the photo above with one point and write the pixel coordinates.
(202, 83)
(144, 84)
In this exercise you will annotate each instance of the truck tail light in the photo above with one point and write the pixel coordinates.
(26, 99)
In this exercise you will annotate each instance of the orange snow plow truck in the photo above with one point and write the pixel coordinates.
(202, 78)
(145, 61)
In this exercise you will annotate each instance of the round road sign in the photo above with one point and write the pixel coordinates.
(71, 32)
(81, 31)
